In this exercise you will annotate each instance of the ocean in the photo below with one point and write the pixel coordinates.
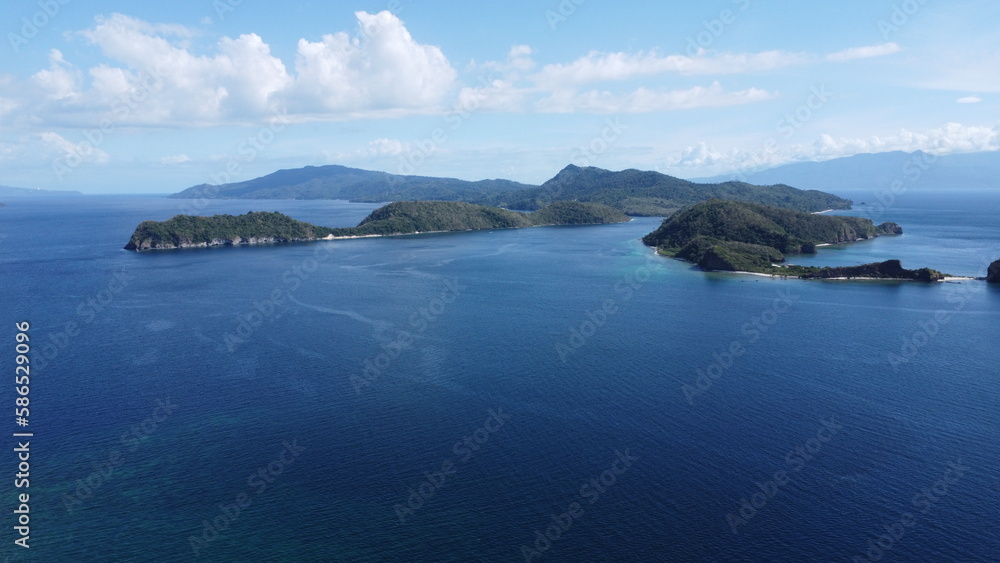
(542, 394)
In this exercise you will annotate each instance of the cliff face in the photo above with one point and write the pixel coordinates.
(993, 273)
(159, 244)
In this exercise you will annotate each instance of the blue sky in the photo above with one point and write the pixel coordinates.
(138, 97)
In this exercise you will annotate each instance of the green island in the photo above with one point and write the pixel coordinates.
(746, 237)
(398, 218)
(635, 192)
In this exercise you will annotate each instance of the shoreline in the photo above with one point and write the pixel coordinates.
(331, 236)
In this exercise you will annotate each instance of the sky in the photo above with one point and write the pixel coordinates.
(110, 96)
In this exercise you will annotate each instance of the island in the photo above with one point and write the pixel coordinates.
(398, 218)
(993, 273)
(745, 237)
(634, 192)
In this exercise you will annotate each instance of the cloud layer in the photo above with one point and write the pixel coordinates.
(154, 78)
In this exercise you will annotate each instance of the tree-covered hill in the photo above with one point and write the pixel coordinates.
(255, 226)
(648, 193)
(785, 230)
(342, 182)
(397, 218)
(634, 192)
(735, 236)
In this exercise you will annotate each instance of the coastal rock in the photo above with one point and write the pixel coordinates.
(993, 273)
(889, 228)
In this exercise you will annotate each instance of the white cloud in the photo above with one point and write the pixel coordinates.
(60, 81)
(647, 100)
(603, 67)
(175, 159)
(864, 52)
(386, 147)
(54, 145)
(969, 100)
(704, 160)
(383, 69)
(152, 77)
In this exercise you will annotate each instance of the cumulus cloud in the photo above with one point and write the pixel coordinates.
(385, 68)
(60, 81)
(153, 77)
(969, 100)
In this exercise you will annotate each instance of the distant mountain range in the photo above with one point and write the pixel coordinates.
(880, 171)
(634, 192)
(341, 182)
(7, 191)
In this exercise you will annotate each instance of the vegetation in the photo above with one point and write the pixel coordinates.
(187, 230)
(637, 192)
(735, 236)
(397, 218)
(782, 229)
(890, 269)
(633, 192)
(341, 182)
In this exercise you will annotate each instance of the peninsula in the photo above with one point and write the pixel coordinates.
(745, 237)
(399, 218)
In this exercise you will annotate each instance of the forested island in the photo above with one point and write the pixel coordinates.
(746, 237)
(399, 218)
(635, 192)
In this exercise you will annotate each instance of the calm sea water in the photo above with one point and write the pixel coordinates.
(343, 401)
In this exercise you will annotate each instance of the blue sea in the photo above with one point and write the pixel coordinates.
(542, 394)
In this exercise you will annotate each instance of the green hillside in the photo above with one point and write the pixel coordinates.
(403, 217)
(735, 236)
(647, 193)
